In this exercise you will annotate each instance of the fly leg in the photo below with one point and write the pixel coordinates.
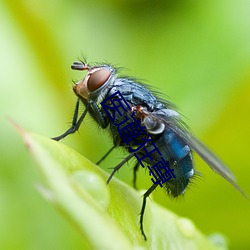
(75, 124)
(120, 165)
(134, 173)
(105, 155)
(116, 168)
(145, 196)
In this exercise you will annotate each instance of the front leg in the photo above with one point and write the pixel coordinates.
(75, 124)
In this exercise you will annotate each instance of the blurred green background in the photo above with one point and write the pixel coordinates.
(195, 52)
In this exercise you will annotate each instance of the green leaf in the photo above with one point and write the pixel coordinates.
(107, 215)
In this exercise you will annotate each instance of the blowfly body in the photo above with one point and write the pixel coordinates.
(148, 127)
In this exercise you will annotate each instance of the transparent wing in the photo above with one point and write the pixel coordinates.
(176, 125)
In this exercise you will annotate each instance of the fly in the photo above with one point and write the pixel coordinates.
(160, 123)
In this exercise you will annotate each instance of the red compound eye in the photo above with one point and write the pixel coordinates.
(97, 79)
